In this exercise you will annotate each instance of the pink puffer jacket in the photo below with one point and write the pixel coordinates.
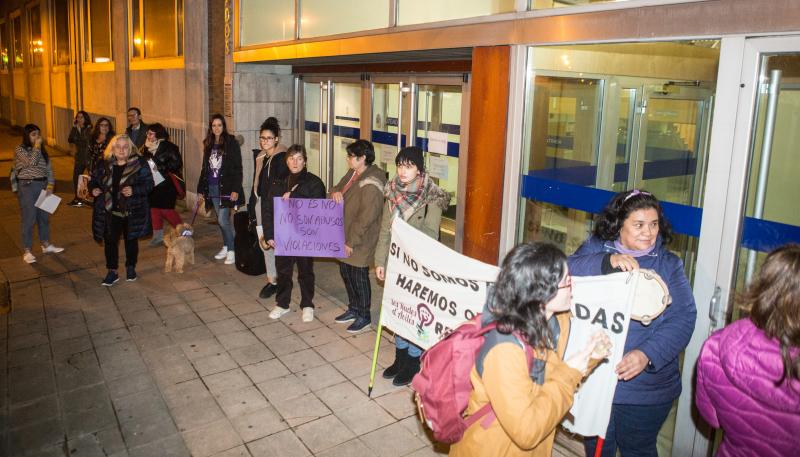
(736, 392)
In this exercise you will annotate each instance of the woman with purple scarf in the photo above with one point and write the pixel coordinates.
(629, 234)
(413, 197)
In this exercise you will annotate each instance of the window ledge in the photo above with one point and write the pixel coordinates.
(161, 63)
(97, 66)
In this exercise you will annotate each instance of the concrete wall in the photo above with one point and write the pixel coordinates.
(261, 91)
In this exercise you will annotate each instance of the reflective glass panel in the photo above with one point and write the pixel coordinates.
(4, 53)
(99, 30)
(61, 54)
(439, 135)
(324, 17)
(422, 11)
(385, 99)
(263, 21)
(35, 43)
(346, 123)
(311, 125)
(17, 31)
(610, 117)
(162, 22)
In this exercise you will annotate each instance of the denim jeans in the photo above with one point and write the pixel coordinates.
(27, 194)
(633, 429)
(413, 349)
(223, 217)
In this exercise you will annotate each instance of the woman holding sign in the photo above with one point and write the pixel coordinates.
(34, 175)
(632, 233)
(519, 369)
(299, 184)
(412, 196)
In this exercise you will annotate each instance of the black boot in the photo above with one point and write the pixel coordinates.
(407, 373)
(400, 357)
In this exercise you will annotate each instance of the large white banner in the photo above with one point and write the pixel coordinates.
(430, 289)
(599, 303)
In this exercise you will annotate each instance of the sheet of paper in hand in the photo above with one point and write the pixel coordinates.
(308, 227)
(599, 303)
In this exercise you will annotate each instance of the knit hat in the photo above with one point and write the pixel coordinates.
(411, 154)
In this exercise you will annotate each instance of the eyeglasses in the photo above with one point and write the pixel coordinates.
(266, 138)
(568, 283)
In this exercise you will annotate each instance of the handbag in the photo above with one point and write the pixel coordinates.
(180, 185)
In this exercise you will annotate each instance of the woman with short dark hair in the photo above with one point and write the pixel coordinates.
(80, 135)
(34, 174)
(167, 160)
(629, 234)
(220, 180)
(748, 374)
(530, 304)
(298, 184)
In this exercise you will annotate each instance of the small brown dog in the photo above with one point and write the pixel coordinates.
(180, 247)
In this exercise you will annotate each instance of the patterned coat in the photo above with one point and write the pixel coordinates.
(137, 175)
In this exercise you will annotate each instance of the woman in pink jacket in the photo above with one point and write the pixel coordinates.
(748, 376)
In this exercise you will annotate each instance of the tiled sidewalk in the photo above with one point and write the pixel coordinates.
(191, 364)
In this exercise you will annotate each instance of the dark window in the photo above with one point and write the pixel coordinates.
(98, 30)
(61, 54)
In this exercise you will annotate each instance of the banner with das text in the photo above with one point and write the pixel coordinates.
(430, 289)
(308, 227)
(599, 303)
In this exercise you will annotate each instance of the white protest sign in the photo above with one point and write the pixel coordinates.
(599, 303)
(430, 289)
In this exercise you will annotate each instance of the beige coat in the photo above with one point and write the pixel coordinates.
(363, 203)
(527, 413)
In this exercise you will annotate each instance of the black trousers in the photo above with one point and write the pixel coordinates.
(305, 278)
(359, 291)
(77, 170)
(119, 226)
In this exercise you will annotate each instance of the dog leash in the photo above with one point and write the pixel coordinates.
(197, 205)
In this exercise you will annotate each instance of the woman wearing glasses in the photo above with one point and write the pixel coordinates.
(102, 133)
(629, 234)
(269, 168)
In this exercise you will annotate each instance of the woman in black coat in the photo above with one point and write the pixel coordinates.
(220, 180)
(299, 184)
(80, 136)
(120, 184)
(167, 160)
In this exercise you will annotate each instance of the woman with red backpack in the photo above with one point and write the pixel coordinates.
(530, 305)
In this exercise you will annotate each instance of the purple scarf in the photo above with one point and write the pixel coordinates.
(632, 252)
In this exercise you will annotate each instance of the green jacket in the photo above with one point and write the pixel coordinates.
(362, 212)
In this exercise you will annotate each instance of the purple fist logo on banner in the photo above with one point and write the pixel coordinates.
(308, 227)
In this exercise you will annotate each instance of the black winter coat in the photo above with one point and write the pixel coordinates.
(272, 171)
(141, 136)
(230, 175)
(80, 138)
(136, 205)
(168, 160)
(307, 186)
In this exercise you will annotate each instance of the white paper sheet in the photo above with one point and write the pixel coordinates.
(437, 142)
(47, 203)
(157, 177)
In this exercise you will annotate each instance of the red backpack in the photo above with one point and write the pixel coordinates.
(443, 385)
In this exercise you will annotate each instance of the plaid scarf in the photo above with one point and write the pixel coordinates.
(129, 173)
(405, 199)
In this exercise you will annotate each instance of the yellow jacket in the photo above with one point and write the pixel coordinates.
(527, 413)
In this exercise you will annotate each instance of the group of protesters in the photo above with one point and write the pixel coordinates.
(530, 303)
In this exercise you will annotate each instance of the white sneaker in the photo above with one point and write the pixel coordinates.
(51, 249)
(230, 258)
(28, 257)
(222, 253)
(308, 314)
(277, 312)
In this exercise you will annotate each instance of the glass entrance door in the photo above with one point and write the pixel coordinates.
(427, 113)
(335, 102)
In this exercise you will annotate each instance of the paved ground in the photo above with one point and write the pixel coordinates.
(180, 364)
